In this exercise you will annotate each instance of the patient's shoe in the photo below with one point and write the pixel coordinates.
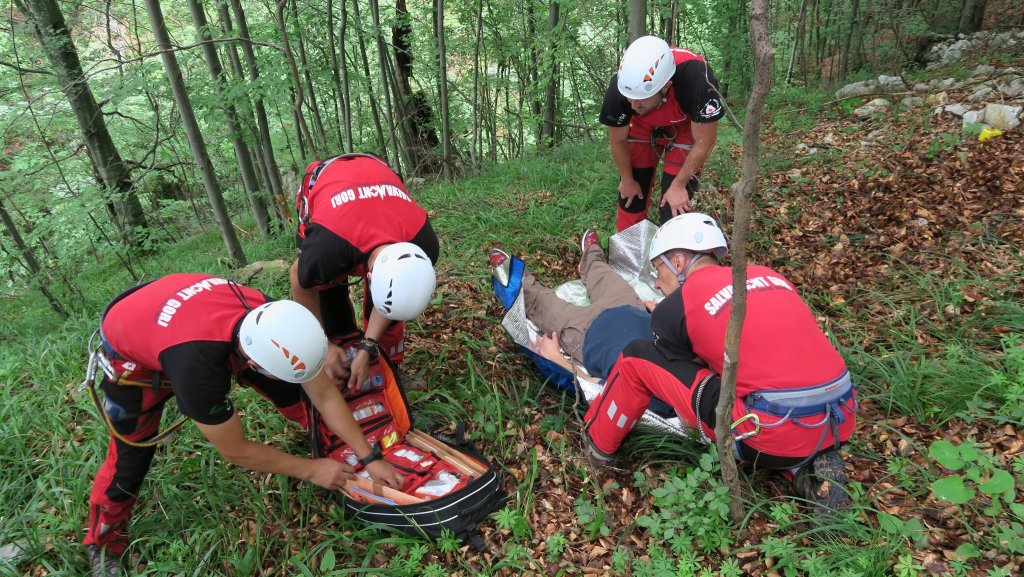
(500, 264)
(589, 239)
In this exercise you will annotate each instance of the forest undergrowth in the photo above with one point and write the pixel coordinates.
(908, 245)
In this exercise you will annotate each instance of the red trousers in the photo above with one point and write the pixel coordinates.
(136, 417)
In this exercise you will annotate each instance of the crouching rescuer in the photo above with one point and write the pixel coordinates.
(187, 336)
(795, 400)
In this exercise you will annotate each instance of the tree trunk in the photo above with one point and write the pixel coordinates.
(637, 19)
(192, 132)
(971, 16)
(299, 97)
(346, 93)
(547, 131)
(474, 156)
(443, 88)
(245, 166)
(844, 63)
(374, 110)
(53, 34)
(341, 93)
(262, 122)
(314, 108)
(36, 273)
(389, 110)
(742, 191)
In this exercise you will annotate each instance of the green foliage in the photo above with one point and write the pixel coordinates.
(691, 506)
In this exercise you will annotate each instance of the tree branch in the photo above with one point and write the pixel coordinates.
(23, 70)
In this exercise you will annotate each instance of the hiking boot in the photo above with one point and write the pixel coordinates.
(823, 483)
(596, 458)
(500, 265)
(103, 563)
(589, 239)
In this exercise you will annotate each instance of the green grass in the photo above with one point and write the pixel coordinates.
(199, 516)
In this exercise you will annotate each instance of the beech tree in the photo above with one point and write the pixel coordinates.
(53, 34)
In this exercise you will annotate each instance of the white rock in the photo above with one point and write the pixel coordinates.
(801, 146)
(1002, 41)
(829, 139)
(947, 83)
(879, 103)
(920, 221)
(857, 89)
(10, 552)
(921, 87)
(983, 69)
(974, 117)
(1003, 117)
(956, 109)
(891, 83)
(980, 94)
(875, 134)
(912, 101)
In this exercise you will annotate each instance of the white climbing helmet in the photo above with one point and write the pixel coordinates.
(285, 340)
(646, 67)
(402, 281)
(692, 231)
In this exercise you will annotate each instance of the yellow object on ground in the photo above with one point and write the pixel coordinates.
(987, 133)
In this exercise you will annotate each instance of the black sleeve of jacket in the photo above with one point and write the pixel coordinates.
(697, 91)
(200, 377)
(668, 321)
(615, 111)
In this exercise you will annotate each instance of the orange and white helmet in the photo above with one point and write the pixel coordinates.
(646, 68)
(285, 340)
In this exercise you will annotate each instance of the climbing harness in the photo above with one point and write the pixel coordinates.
(100, 362)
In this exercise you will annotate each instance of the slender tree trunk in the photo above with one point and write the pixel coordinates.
(245, 166)
(446, 140)
(844, 64)
(192, 132)
(374, 109)
(637, 19)
(52, 32)
(262, 122)
(382, 61)
(547, 132)
(314, 109)
(742, 191)
(346, 94)
(341, 95)
(299, 98)
(534, 72)
(474, 157)
(36, 273)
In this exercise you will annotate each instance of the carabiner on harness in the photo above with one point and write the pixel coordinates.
(748, 417)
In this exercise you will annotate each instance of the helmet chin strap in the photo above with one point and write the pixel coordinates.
(681, 276)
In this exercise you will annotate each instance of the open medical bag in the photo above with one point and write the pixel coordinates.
(446, 486)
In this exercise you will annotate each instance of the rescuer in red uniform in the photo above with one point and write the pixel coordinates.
(187, 336)
(356, 219)
(795, 400)
(662, 104)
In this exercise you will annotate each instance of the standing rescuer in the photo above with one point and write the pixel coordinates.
(356, 219)
(662, 104)
(795, 400)
(187, 336)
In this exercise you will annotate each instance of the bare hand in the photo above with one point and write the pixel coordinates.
(336, 364)
(358, 371)
(331, 474)
(548, 347)
(384, 473)
(629, 191)
(649, 305)
(677, 198)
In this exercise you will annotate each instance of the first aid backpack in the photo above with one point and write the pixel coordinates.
(447, 486)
